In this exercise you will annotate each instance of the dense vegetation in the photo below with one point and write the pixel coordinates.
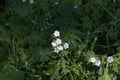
(31, 30)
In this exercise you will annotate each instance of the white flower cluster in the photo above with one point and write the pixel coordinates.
(31, 1)
(57, 44)
(110, 59)
(95, 61)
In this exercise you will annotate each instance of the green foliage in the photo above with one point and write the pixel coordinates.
(91, 27)
(105, 75)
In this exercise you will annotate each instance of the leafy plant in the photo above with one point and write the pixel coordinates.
(89, 34)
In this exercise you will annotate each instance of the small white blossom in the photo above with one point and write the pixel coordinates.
(31, 1)
(75, 6)
(60, 48)
(110, 59)
(56, 33)
(56, 50)
(66, 45)
(24, 0)
(93, 59)
(54, 44)
(58, 41)
(56, 2)
(98, 63)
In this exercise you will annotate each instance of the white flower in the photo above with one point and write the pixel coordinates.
(110, 59)
(53, 44)
(56, 50)
(75, 6)
(24, 0)
(98, 63)
(56, 33)
(92, 59)
(60, 48)
(56, 2)
(58, 41)
(31, 1)
(66, 45)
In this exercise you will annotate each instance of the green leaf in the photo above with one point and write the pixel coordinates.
(89, 54)
(41, 54)
(16, 75)
(3, 77)
(23, 8)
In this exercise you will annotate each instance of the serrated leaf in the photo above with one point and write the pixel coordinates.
(23, 8)
(89, 54)
(16, 75)
(41, 54)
